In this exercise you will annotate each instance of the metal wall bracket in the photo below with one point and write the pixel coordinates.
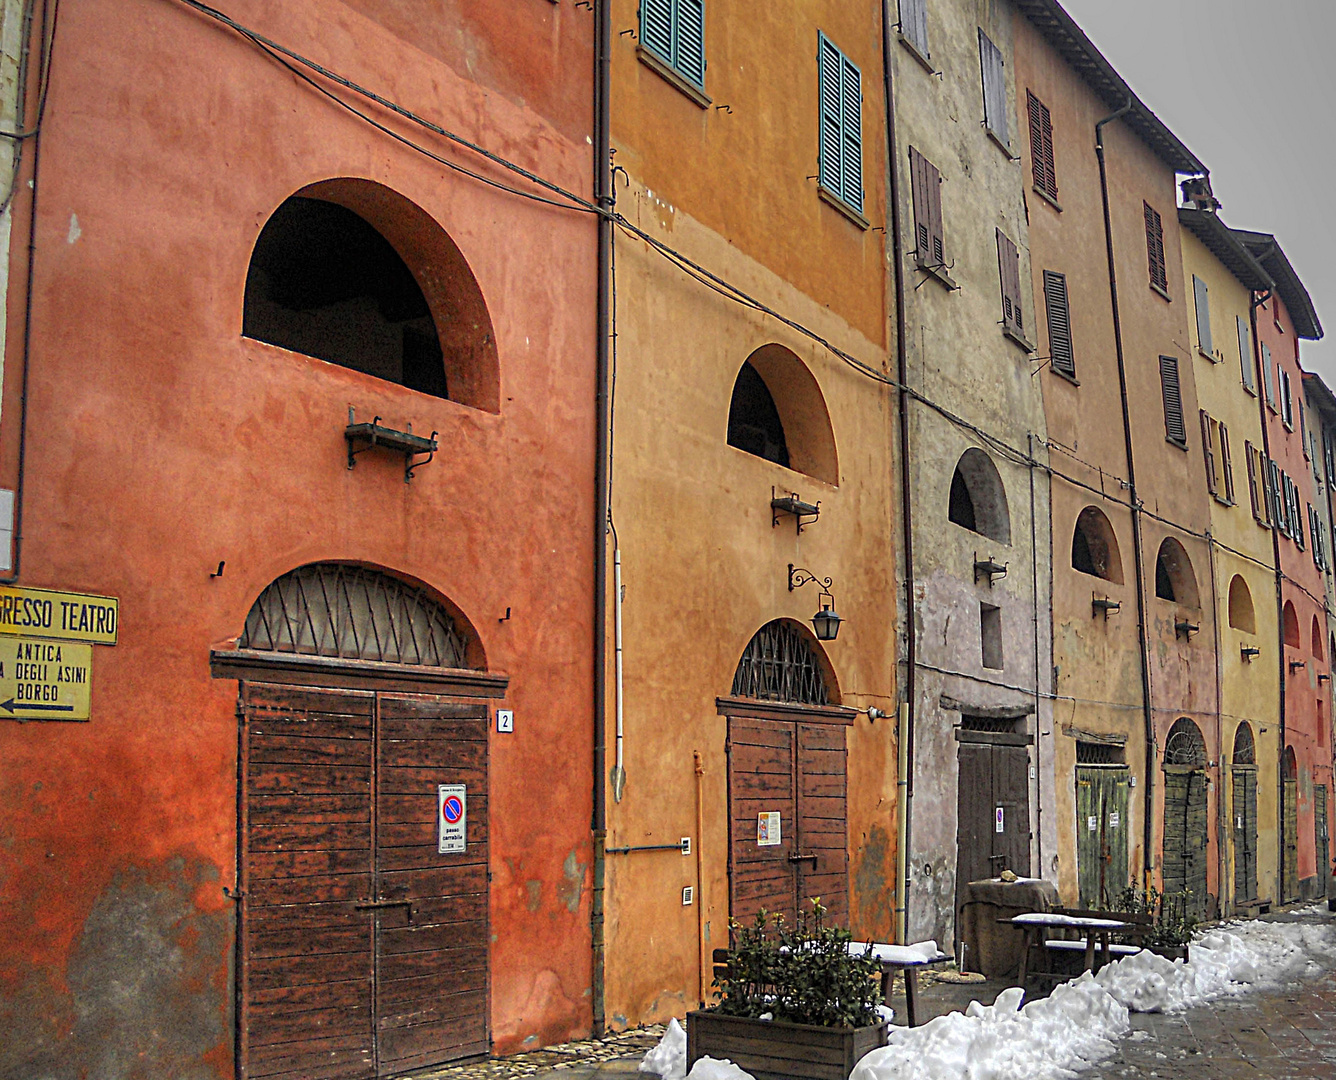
(371, 435)
(989, 569)
(790, 503)
(1102, 605)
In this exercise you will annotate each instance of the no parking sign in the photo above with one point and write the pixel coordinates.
(451, 819)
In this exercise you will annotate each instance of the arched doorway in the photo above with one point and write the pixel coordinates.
(363, 931)
(1185, 818)
(1243, 765)
(787, 779)
(1289, 863)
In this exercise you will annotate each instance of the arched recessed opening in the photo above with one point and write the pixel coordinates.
(1095, 548)
(1245, 749)
(350, 272)
(978, 498)
(777, 412)
(1174, 579)
(1241, 615)
(1290, 623)
(1316, 637)
(1185, 745)
(357, 613)
(1290, 765)
(784, 662)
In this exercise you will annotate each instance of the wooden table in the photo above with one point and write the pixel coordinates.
(1034, 923)
(902, 958)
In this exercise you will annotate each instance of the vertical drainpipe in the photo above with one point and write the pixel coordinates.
(1221, 821)
(603, 188)
(1280, 601)
(1142, 642)
(905, 779)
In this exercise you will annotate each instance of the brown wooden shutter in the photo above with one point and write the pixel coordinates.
(1207, 453)
(926, 182)
(1041, 146)
(1226, 466)
(1174, 427)
(1155, 248)
(1059, 323)
(933, 181)
(1009, 272)
(1251, 455)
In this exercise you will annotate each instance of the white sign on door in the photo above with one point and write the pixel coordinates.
(768, 829)
(1115, 819)
(1092, 823)
(452, 819)
(999, 820)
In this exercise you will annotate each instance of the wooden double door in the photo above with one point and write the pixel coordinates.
(1101, 834)
(363, 948)
(788, 820)
(1245, 834)
(1185, 836)
(992, 812)
(1289, 865)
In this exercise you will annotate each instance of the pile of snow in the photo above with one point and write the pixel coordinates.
(708, 1068)
(669, 1058)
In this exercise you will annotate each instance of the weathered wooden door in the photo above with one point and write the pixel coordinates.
(1320, 838)
(1185, 835)
(1289, 867)
(1245, 834)
(992, 812)
(1101, 834)
(364, 950)
(788, 825)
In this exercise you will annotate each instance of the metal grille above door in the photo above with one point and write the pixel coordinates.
(353, 613)
(779, 664)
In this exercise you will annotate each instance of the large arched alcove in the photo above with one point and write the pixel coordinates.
(1315, 635)
(1290, 625)
(978, 498)
(1174, 579)
(1241, 614)
(777, 412)
(350, 272)
(1245, 747)
(1095, 547)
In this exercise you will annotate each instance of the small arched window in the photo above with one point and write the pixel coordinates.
(1245, 749)
(350, 272)
(978, 499)
(1095, 548)
(1316, 636)
(1241, 616)
(1174, 579)
(1289, 769)
(1185, 745)
(777, 412)
(1290, 623)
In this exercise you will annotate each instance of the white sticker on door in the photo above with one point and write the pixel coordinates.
(1115, 819)
(999, 820)
(1092, 823)
(767, 829)
(451, 819)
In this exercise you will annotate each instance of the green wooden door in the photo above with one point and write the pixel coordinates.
(1289, 868)
(1245, 834)
(1320, 837)
(1185, 836)
(1101, 834)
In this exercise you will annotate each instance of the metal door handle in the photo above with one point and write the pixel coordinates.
(796, 857)
(378, 905)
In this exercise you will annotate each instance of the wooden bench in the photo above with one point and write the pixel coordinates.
(1067, 930)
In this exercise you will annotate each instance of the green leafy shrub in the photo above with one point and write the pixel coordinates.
(804, 974)
(1174, 922)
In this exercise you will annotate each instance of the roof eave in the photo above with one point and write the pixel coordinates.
(1220, 240)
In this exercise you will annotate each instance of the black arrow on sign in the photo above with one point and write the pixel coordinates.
(8, 706)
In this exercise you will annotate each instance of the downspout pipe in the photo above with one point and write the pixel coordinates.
(905, 779)
(1142, 643)
(604, 198)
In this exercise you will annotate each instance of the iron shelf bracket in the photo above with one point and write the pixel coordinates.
(1186, 629)
(1102, 605)
(790, 503)
(373, 434)
(988, 568)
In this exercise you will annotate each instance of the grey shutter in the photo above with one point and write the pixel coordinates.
(1226, 465)
(1207, 453)
(1276, 498)
(1286, 399)
(1245, 353)
(1041, 146)
(689, 39)
(1009, 272)
(1200, 295)
(1155, 247)
(1251, 455)
(994, 88)
(829, 60)
(851, 133)
(656, 28)
(914, 24)
(1328, 458)
(1303, 425)
(933, 182)
(1059, 323)
(1268, 380)
(926, 182)
(1173, 401)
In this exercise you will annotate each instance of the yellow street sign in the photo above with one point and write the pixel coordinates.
(63, 615)
(44, 680)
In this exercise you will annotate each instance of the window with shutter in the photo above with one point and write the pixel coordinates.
(1155, 249)
(914, 25)
(1251, 455)
(1202, 299)
(1303, 430)
(1208, 452)
(1226, 465)
(994, 90)
(1268, 383)
(1245, 354)
(1329, 458)
(1009, 273)
(673, 32)
(1059, 323)
(1276, 499)
(840, 92)
(1175, 430)
(1286, 401)
(926, 183)
(1296, 517)
(1041, 147)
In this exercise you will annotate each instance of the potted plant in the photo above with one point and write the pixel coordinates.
(1174, 923)
(793, 1003)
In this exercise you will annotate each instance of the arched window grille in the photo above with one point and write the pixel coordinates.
(1245, 750)
(779, 664)
(1185, 745)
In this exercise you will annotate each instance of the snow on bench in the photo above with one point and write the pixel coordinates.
(923, 952)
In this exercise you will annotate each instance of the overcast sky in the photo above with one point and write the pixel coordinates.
(1251, 89)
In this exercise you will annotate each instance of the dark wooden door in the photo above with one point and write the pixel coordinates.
(1101, 835)
(992, 813)
(1320, 839)
(798, 772)
(363, 951)
(1245, 834)
(1289, 867)
(1184, 859)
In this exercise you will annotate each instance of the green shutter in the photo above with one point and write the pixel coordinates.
(689, 40)
(656, 28)
(851, 92)
(829, 174)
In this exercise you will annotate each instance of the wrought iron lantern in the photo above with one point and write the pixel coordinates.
(825, 623)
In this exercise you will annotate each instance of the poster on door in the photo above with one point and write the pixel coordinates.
(768, 829)
(451, 819)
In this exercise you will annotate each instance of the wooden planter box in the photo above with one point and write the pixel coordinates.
(775, 1050)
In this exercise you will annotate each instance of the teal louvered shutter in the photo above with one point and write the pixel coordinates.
(656, 28)
(829, 173)
(1245, 353)
(1201, 297)
(689, 40)
(851, 94)
(994, 88)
